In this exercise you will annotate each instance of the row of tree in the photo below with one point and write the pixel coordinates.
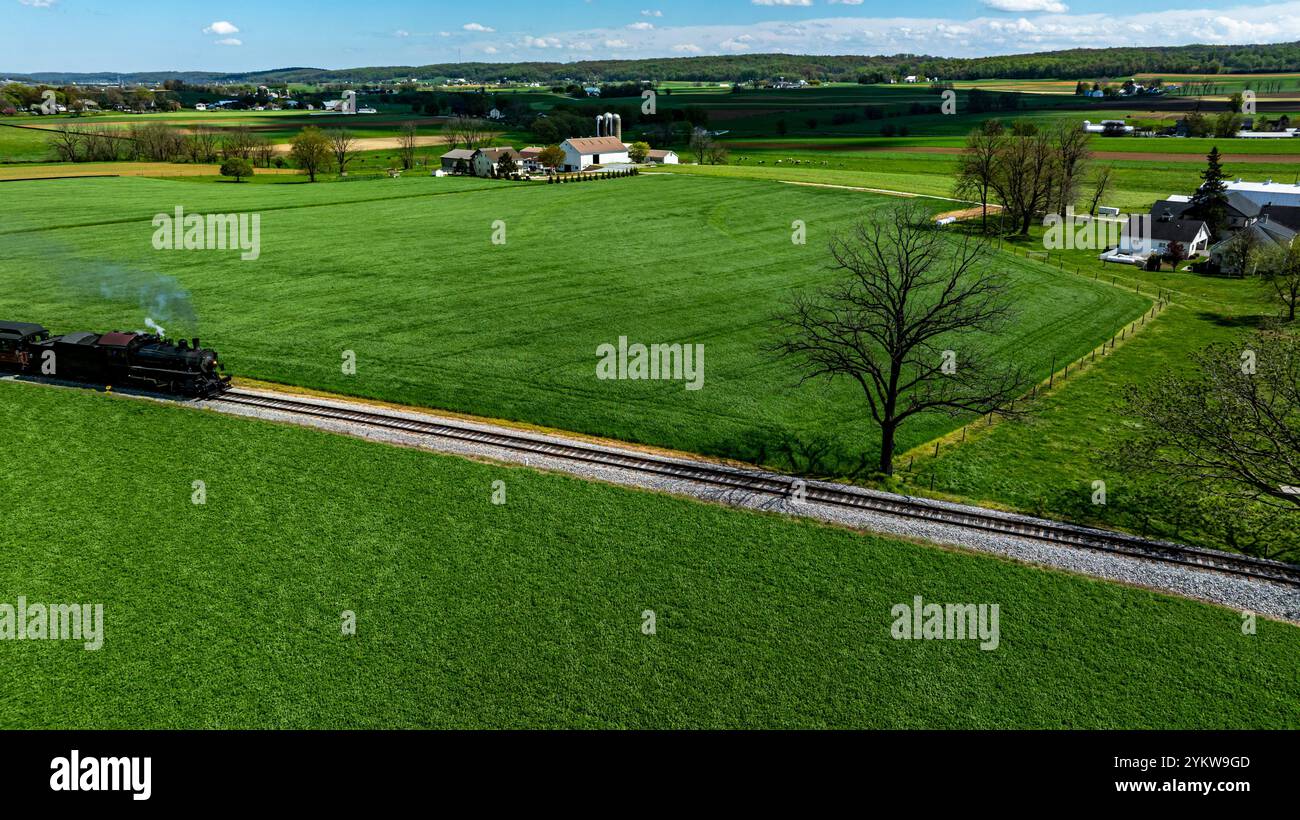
(1027, 170)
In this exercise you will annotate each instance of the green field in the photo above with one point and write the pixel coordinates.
(1046, 462)
(229, 615)
(405, 274)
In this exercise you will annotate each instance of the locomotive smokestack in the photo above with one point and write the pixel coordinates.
(195, 342)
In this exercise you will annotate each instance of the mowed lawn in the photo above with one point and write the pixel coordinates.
(405, 274)
(529, 614)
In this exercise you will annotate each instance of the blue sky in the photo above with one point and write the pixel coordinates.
(237, 35)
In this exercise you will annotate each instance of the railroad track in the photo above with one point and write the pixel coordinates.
(779, 486)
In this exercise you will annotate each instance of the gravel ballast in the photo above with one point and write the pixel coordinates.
(1274, 600)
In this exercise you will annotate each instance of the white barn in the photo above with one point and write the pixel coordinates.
(581, 153)
(1267, 192)
(662, 157)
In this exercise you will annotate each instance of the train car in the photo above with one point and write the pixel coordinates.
(16, 339)
(142, 360)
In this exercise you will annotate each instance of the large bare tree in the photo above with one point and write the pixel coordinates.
(1025, 177)
(903, 320)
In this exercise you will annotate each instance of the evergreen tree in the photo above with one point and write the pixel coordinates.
(1210, 202)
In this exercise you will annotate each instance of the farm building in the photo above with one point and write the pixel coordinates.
(455, 156)
(581, 153)
(485, 160)
(1267, 192)
(662, 157)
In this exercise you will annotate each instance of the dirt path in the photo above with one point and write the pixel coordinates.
(376, 143)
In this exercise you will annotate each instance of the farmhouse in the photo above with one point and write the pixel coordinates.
(1141, 238)
(583, 152)
(484, 162)
(662, 157)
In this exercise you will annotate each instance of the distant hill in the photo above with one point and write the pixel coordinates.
(1107, 62)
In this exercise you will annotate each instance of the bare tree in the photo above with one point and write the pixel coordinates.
(1100, 186)
(201, 144)
(407, 141)
(1231, 427)
(1024, 177)
(66, 143)
(701, 145)
(466, 131)
(237, 143)
(978, 164)
(1071, 162)
(263, 151)
(900, 323)
(342, 145)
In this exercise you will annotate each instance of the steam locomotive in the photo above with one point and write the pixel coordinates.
(142, 360)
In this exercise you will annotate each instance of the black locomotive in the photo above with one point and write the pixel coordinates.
(141, 360)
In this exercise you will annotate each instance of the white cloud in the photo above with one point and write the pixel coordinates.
(651, 13)
(221, 27)
(782, 2)
(230, 41)
(38, 4)
(1051, 6)
(479, 27)
(540, 42)
(401, 32)
(950, 36)
(490, 50)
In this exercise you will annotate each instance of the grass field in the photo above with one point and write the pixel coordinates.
(529, 614)
(1046, 462)
(438, 315)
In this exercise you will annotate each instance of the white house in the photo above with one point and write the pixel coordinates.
(580, 153)
(1142, 236)
(662, 157)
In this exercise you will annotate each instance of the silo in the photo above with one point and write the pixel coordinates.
(618, 127)
(600, 123)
